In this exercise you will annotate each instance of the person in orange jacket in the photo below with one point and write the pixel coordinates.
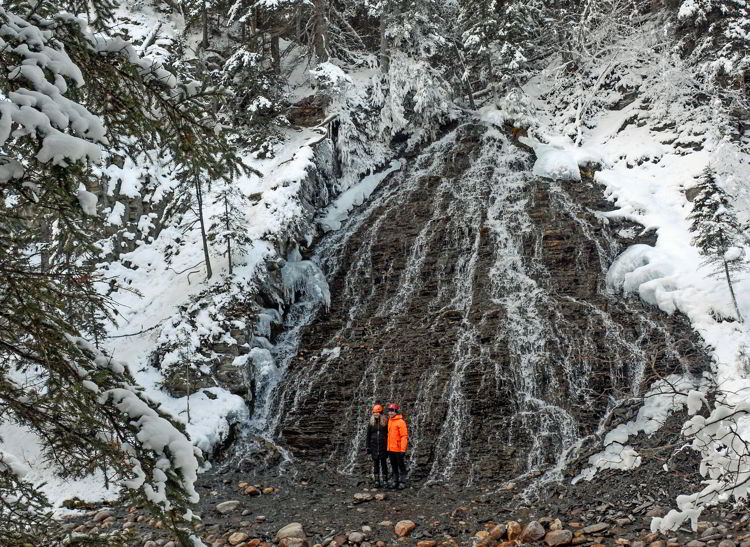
(398, 440)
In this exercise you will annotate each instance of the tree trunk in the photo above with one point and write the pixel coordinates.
(731, 291)
(228, 236)
(320, 39)
(44, 255)
(204, 42)
(199, 198)
(256, 45)
(276, 54)
(385, 61)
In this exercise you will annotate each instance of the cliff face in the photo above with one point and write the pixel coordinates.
(472, 294)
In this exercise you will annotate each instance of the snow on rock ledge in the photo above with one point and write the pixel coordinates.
(647, 271)
(560, 158)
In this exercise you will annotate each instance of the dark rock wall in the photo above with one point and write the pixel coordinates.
(473, 294)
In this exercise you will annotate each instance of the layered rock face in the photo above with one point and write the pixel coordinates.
(473, 294)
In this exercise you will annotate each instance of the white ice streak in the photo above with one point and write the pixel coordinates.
(340, 208)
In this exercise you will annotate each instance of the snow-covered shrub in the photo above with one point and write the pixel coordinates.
(721, 440)
(716, 41)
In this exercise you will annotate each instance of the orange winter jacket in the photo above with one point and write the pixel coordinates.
(398, 436)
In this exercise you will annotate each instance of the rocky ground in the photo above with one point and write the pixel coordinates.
(312, 505)
(329, 508)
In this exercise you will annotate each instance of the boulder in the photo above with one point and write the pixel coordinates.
(404, 528)
(427, 543)
(514, 530)
(356, 537)
(252, 491)
(361, 497)
(595, 528)
(555, 525)
(102, 515)
(237, 537)
(498, 532)
(558, 537)
(532, 532)
(291, 530)
(227, 506)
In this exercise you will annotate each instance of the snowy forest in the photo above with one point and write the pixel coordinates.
(229, 228)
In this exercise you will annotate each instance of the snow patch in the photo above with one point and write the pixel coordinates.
(559, 158)
(87, 200)
(647, 271)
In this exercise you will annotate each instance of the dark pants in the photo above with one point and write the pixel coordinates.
(398, 466)
(378, 465)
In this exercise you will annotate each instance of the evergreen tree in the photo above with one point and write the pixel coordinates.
(418, 61)
(718, 233)
(304, 22)
(253, 97)
(72, 98)
(228, 226)
(499, 37)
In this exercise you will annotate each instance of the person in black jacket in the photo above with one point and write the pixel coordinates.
(377, 436)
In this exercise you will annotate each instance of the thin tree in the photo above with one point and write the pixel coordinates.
(229, 226)
(204, 240)
(717, 232)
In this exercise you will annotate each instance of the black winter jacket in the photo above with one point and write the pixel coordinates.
(377, 436)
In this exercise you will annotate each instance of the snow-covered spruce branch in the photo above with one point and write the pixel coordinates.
(69, 98)
(721, 440)
(22, 516)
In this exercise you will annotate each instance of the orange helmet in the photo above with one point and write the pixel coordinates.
(377, 409)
